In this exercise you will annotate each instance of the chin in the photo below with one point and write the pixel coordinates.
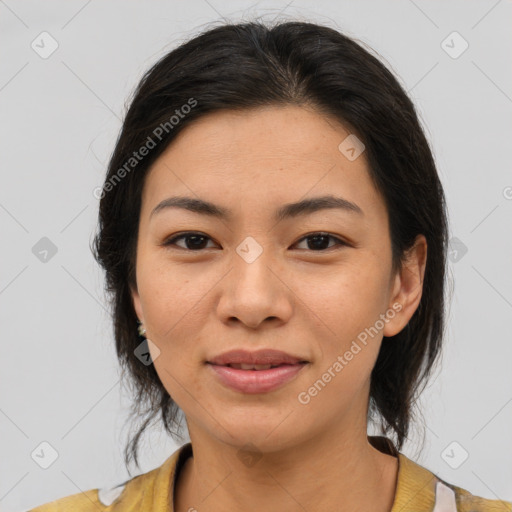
(267, 436)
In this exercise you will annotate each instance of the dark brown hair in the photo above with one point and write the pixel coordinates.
(246, 65)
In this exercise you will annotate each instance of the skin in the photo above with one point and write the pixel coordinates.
(309, 302)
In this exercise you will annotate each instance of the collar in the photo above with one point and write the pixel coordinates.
(415, 488)
(415, 485)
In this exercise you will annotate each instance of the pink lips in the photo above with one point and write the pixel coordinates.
(256, 380)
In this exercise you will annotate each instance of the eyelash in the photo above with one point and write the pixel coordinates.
(171, 241)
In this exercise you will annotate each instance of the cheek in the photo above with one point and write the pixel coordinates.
(174, 304)
(170, 297)
(346, 299)
(179, 378)
(345, 307)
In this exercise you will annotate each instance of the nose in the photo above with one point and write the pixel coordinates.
(255, 291)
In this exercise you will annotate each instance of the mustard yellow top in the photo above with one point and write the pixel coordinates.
(418, 490)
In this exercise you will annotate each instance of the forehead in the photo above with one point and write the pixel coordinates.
(261, 156)
(262, 132)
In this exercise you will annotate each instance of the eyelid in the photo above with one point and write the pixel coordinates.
(170, 242)
(340, 241)
(177, 236)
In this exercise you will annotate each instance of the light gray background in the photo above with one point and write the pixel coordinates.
(60, 117)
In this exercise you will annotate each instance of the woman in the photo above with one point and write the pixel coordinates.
(273, 231)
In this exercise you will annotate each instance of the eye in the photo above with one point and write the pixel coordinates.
(196, 241)
(319, 240)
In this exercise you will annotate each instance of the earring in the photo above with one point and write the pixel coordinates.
(142, 329)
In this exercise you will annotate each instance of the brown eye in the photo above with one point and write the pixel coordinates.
(193, 241)
(316, 242)
(320, 241)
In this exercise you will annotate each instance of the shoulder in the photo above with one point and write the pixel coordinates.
(87, 501)
(144, 492)
(467, 502)
(99, 500)
(427, 491)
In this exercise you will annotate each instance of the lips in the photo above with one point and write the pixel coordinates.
(259, 371)
(263, 359)
(242, 366)
(256, 381)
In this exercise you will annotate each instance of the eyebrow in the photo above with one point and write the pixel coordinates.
(303, 207)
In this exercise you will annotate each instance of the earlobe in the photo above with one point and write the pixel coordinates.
(137, 304)
(408, 287)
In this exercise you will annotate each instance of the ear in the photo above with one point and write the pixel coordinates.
(407, 287)
(137, 304)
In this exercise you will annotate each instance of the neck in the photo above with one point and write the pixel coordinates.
(341, 473)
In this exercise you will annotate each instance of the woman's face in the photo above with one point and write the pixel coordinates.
(254, 281)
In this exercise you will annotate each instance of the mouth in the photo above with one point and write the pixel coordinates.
(256, 378)
(259, 371)
(259, 360)
(256, 367)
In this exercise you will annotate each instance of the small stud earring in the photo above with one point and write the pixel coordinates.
(142, 329)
